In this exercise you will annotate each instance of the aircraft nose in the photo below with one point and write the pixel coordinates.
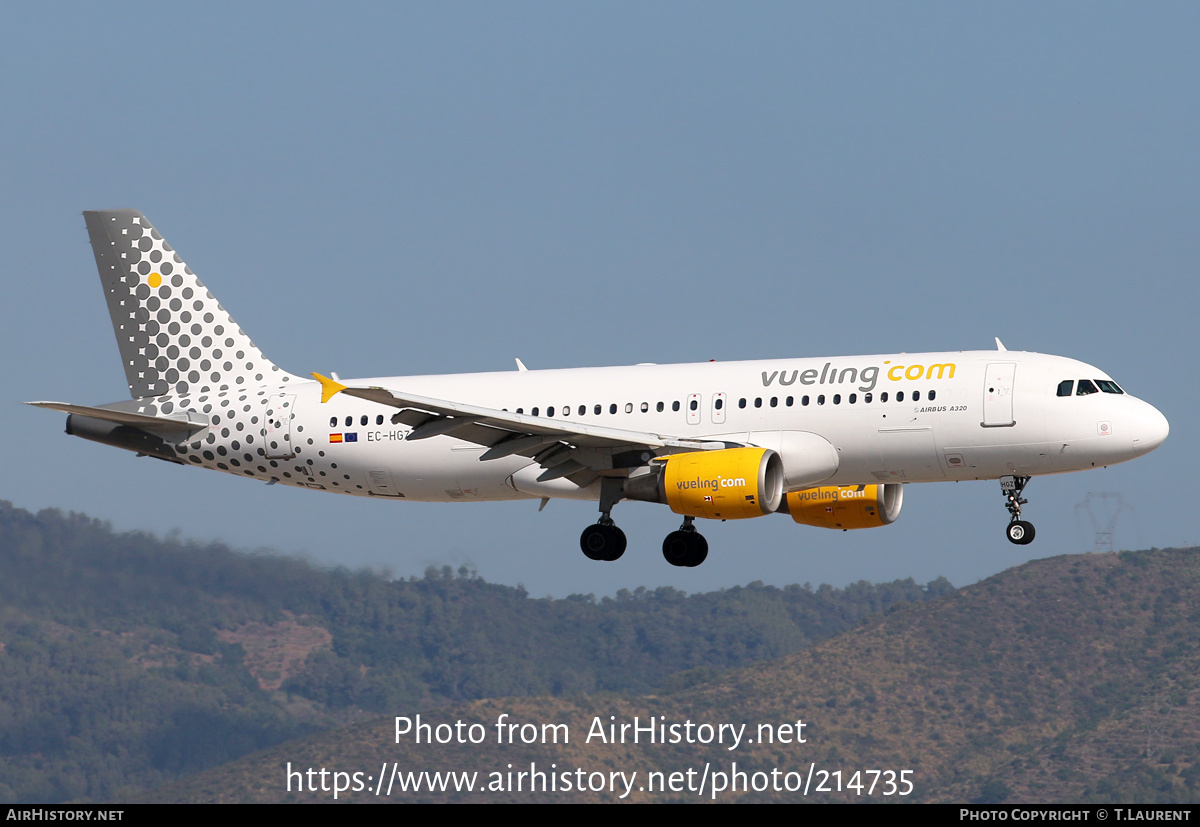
(1150, 429)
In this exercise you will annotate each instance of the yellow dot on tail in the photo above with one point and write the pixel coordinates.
(155, 279)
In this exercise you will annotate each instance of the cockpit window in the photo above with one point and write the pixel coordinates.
(1109, 386)
(1065, 387)
(1085, 387)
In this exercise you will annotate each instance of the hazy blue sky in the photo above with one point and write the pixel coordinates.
(390, 188)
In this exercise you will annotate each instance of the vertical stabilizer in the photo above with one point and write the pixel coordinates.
(173, 336)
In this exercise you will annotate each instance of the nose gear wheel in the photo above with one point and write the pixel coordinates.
(1018, 531)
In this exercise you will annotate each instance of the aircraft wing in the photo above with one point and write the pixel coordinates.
(563, 447)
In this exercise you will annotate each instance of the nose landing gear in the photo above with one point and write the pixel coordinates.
(1019, 531)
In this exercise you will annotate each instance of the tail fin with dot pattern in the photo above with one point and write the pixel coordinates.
(174, 337)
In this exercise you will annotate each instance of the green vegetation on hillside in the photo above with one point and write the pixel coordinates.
(127, 660)
(1067, 679)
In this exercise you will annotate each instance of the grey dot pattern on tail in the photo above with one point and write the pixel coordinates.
(174, 337)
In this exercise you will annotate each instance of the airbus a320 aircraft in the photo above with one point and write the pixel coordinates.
(830, 442)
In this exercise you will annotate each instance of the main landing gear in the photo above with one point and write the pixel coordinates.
(685, 547)
(604, 541)
(1019, 531)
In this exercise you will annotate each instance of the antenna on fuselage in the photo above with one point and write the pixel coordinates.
(1000, 344)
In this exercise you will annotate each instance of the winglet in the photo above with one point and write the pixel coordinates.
(329, 388)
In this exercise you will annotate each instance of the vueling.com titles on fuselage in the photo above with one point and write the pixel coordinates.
(868, 376)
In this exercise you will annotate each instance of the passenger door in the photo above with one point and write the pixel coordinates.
(998, 395)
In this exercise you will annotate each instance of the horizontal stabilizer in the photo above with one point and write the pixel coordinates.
(155, 424)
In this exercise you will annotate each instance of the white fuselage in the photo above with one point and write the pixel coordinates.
(891, 418)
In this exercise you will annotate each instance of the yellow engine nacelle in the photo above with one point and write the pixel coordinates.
(846, 506)
(729, 484)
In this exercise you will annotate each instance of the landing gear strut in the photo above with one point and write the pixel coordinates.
(685, 547)
(1019, 531)
(604, 541)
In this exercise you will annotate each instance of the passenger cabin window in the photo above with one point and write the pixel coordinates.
(916, 396)
(932, 396)
(596, 410)
(333, 422)
(349, 421)
(363, 420)
(534, 412)
(582, 410)
(693, 405)
(1085, 387)
(659, 407)
(742, 402)
(1065, 387)
(628, 407)
(379, 419)
(612, 409)
(719, 404)
(645, 407)
(675, 405)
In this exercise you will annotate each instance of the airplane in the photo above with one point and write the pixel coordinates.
(831, 442)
